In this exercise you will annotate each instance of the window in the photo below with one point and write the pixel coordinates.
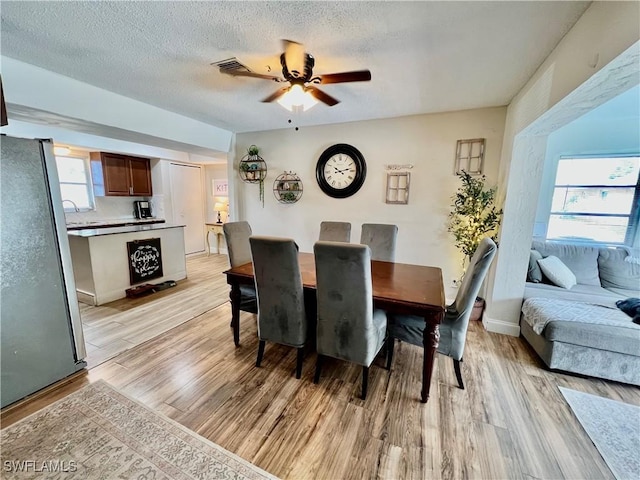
(595, 199)
(75, 182)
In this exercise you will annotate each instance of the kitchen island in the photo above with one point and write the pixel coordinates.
(106, 262)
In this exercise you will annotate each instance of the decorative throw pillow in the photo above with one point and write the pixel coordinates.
(534, 274)
(557, 272)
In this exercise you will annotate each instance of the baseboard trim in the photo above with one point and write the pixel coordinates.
(86, 297)
(500, 326)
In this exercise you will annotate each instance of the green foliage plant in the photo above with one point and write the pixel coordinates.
(253, 150)
(474, 215)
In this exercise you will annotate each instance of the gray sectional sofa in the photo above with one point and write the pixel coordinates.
(580, 329)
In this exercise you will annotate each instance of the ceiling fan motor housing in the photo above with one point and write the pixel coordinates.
(295, 76)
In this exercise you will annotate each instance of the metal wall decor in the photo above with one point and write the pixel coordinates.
(470, 156)
(253, 169)
(398, 188)
(287, 188)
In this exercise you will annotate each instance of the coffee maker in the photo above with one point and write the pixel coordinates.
(142, 209)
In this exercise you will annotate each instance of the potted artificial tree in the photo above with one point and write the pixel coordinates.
(474, 216)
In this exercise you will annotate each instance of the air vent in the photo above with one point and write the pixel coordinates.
(231, 65)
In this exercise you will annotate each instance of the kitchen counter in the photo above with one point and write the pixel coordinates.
(102, 265)
(113, 223)
(94, 232)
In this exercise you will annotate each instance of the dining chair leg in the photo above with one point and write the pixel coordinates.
(260, 352)
(316, 377)
(365, 382)
(299, 362)
(456, 367)
(390, 344)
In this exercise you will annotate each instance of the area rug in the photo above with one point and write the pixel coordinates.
(614, 428)
(99, 433)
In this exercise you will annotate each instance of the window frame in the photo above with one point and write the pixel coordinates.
(88, 184)
(633, 216)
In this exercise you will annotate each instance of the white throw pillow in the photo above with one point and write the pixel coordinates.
(557, 272)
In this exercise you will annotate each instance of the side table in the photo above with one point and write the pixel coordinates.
(217, 229)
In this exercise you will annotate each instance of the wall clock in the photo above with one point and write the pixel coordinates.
(341, 170)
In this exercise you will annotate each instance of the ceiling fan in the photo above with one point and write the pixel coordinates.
(297, 70)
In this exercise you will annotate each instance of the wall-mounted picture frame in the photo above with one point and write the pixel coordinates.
(220, 187)
(470, 156)
(398, 188)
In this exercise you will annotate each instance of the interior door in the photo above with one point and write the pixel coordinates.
(188, 204)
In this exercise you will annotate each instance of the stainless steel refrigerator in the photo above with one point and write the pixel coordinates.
(41, 337)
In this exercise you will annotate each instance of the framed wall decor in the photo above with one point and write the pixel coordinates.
(398, 188)
(145, 260)
(221, 187)
(470, 156)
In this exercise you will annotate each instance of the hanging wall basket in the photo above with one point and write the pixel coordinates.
(287, 188)
(253, 168)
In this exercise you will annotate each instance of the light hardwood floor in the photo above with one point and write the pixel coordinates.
(118, 326)
(511, 421)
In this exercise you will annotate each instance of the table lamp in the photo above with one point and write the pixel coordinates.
(220, 207)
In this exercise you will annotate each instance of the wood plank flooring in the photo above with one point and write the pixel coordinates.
(112, 328)
(511, 421)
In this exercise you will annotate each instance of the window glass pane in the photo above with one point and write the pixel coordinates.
(77, 194)
(586, 228)
(71, 169)
(593, 200)
(598, 171)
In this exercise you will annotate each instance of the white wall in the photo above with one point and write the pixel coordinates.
(211, 173)
(426, 141)
(612, 128)
(599, 55)
(32, 87)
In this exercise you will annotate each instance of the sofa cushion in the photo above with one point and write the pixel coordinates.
(534, 274)
(579, 293)
(581, 260)
(616, 273)
(583, 324)
(557, 272)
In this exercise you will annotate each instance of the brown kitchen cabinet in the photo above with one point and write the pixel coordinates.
(120, 175)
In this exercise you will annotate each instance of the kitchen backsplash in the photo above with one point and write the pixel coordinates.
(115, 208)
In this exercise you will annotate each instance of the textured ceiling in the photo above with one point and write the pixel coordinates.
(424, 57)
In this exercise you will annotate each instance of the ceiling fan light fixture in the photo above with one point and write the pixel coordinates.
(297, 98)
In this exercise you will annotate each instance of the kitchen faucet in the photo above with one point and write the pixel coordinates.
(75, 207)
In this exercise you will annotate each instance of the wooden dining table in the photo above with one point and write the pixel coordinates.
(398, 288)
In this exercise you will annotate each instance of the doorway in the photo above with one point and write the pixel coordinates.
(188, 204)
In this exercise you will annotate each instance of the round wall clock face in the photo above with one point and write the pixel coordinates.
(341, 170)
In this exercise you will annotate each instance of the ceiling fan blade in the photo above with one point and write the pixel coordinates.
(323, 97)
(355, 76)
(240, 73)
(275, 95)
(294, 57)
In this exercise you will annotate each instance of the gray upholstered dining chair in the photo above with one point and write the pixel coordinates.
(348, 327)
(453, 329)
(236, 235)
(281, 308)
(335, 232)
(381, 238)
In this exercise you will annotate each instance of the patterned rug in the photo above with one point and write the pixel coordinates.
(98, 433)
(614, 428)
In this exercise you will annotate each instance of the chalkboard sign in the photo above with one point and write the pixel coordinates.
(145, 260)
